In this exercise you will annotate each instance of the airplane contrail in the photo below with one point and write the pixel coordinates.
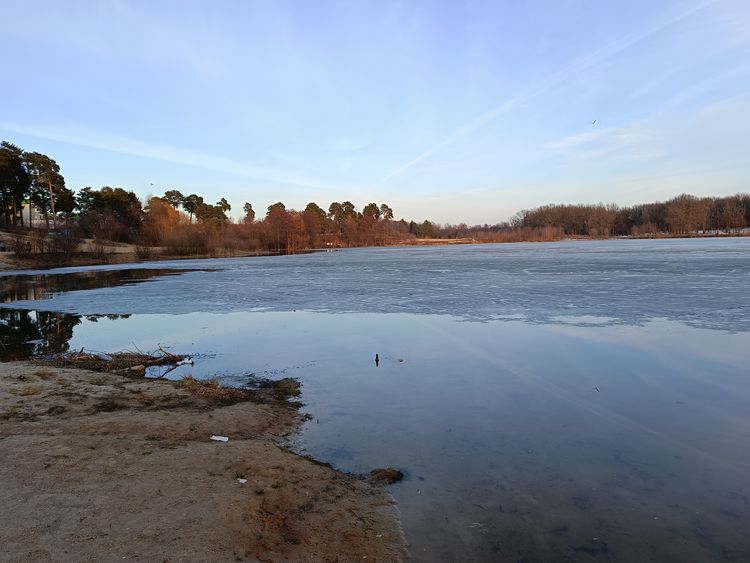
(615, 47)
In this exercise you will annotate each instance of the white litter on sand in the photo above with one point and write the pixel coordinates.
(216, 438)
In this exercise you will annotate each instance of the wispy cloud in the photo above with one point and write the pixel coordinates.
(551, 81)
(661, 157)
(599, 142)
(168, 153)
(708, 85)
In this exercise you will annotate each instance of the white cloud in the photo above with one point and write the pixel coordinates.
(602, 142)
(134, 147)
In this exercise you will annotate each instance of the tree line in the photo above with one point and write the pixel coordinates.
(680, 216)
(184, 224)
(168, 221)
(188, 224)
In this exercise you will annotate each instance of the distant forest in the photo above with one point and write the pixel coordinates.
(684, 215)
(186, 224)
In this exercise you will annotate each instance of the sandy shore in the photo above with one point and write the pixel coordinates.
(102, 467)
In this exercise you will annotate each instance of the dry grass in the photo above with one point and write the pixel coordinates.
(214, 392)
(286, 387)
(29, 390)
(211, 390)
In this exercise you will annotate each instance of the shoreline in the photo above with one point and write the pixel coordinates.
(9, 263)
(103, 466)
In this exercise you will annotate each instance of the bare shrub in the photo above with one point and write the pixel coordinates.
(101, 251)
(38, 239)
(144, 252)
(65, 240)
(188, 241)
(21, 245)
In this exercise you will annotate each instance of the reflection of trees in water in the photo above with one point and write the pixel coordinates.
(16, 289)
(29, 333)
(43, 286)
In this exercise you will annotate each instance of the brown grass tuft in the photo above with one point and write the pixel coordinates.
(211, 390)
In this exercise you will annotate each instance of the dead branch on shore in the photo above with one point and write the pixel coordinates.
(123, 362)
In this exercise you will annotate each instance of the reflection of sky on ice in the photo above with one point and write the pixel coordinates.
(592, 401)
(673, 341)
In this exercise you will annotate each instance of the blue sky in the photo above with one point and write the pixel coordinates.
(454, 111)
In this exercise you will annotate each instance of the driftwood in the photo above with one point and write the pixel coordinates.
(123, 362)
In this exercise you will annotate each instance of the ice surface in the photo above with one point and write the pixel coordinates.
(704, 283)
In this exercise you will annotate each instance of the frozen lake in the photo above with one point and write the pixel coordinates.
(562, 401)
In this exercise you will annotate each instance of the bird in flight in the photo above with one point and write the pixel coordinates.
(594, 122)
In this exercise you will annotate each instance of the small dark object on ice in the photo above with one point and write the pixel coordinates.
(387, 476)
(377, 360)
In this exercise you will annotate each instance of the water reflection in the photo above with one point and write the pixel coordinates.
(27, 333)
(24, 334)
(45, 286)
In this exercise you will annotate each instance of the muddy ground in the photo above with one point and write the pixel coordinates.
(103, 467)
